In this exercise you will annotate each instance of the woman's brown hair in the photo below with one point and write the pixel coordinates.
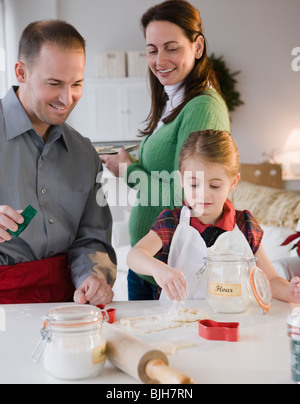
(183, 14)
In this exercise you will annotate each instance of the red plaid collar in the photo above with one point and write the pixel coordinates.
(226, 222)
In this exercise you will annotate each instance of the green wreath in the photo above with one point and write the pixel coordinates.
(227, 82)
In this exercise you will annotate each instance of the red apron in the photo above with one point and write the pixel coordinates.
(43, 281)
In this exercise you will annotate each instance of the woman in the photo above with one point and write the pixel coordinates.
(185, 98)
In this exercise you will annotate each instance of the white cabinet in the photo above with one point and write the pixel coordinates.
(117, 108)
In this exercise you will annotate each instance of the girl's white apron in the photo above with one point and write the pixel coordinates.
(188, 250)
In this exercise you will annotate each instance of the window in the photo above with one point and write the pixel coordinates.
(2, 53)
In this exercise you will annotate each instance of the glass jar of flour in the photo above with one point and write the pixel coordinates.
(72, 345)
(233, 282)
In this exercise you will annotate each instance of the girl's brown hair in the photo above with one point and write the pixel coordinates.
(183, 14)
(214, 146)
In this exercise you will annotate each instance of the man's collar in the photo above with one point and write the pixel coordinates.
(16, 118)
(17, 121)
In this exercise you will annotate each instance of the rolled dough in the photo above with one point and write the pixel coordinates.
(175, 317)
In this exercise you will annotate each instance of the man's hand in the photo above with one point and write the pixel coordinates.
(9, 220)
(94, 290)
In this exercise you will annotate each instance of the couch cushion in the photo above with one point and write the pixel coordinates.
(273, 238)
(270, 206)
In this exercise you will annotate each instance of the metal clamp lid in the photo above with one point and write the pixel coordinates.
(46, 335)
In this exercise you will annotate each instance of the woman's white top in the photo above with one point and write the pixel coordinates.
(175, 98)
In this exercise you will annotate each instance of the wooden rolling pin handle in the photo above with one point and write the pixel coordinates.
(156, 369)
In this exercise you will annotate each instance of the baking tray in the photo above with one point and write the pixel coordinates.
(115, 150)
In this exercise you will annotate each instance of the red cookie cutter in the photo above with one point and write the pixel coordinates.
(111, 313)
(215, 331)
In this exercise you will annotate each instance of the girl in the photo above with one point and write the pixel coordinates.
(208, 170)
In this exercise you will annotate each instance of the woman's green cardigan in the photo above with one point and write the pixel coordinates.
(152, 175)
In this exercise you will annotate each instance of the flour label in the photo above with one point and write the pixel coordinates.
(225, 289)
(99, 354)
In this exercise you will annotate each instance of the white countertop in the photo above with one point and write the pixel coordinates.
(262, 355)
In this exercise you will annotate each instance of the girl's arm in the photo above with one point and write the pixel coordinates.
(281, 288)
(141, 260)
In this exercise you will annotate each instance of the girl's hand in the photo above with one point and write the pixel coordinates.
(173, 282)
(117, 163)
(294, 289)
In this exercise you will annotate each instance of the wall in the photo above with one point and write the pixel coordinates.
(19, 13)
(255, 37)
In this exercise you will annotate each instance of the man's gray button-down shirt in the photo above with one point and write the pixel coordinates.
(59, 180)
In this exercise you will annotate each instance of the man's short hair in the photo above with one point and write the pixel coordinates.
(57, 32)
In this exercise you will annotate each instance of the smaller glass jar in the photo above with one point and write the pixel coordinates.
(72, 345)
(293, 322)
(233, 281)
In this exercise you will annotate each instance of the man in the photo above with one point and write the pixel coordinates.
(47, 164)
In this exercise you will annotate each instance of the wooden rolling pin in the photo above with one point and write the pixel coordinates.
(138, 359)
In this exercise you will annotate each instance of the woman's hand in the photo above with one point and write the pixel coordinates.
(117, 163)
